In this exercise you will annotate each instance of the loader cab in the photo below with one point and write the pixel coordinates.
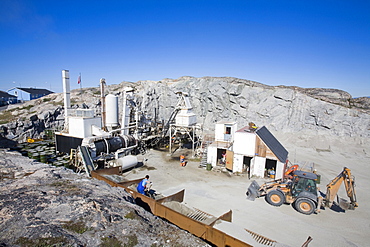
(304, 182)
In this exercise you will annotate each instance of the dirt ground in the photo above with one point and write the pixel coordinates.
(218, 192)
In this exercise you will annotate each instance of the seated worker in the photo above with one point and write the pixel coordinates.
(142, 185)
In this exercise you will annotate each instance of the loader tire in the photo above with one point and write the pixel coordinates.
(275, 198)
(304, 206)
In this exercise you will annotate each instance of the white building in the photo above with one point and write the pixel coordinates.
(250, 149)
(224, 137)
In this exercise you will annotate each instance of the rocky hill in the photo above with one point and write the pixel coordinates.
(41, 205)
(288, 109)
(284, 109)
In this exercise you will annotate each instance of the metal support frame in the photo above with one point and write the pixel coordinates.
(174, 129)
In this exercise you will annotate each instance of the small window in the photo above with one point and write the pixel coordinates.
(228, 130)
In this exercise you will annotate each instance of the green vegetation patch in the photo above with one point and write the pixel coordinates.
(43, 242)
(46, 99)
(132, 241)
(67, 186)
(6, 117)
(110, 241)
(77, 227)
(131, 215)
(57, 103)
(28, 107)
(63, 184)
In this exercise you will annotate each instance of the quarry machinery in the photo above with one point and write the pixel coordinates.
(300, 189)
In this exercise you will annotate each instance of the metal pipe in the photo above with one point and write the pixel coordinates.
(66, 92)
(126, 110)
(102, 83)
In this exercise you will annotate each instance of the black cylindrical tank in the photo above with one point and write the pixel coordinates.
(113, 144)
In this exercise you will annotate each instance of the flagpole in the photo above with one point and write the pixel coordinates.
(80, 82)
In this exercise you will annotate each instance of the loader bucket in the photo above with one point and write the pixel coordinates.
(253, 191)
(345, 205)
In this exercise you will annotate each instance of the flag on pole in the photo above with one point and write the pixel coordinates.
(79, 79)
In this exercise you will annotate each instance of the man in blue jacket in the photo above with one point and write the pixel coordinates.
(142, 185)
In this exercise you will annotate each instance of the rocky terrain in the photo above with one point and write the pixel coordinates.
(42, 205)
(284, 109)
(287, 109)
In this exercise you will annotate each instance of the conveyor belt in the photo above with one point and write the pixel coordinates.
(86, 159)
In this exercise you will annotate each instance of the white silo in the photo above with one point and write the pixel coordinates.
(111, 111)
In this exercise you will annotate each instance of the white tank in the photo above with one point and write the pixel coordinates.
(111, 104)
(127, 162)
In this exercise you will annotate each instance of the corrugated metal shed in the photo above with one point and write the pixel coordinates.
(273, 144)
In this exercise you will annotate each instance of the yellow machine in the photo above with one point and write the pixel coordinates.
(334, 185)
(32, 140)
(301, 191)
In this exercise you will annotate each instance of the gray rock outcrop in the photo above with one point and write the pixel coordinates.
(287, 109)
(42, 205)
(280, 108)
(32, 127)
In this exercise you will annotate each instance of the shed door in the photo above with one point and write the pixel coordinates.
(229, 159)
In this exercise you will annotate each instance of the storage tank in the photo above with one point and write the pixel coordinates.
(111, 111)
(127, 162)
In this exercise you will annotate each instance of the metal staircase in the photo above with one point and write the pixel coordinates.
(203, 162)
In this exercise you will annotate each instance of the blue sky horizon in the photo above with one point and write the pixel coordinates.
(308, 44)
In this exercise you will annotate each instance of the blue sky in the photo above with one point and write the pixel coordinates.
(294, 43)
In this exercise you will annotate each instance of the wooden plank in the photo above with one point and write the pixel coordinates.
(260, 147)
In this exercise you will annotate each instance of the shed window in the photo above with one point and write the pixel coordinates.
(228, 130)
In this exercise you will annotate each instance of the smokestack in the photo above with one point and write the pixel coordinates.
(102, 95)
(66, 93)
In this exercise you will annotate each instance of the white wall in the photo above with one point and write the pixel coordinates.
(238, 163)
(258, 166)
(279, 170)
(245, 143)
(212, 155)
(220, 131)
(81, 127)
(186, 119)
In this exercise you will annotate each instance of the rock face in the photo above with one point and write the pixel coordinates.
(42, 205)
(32, 118)
(284, 109)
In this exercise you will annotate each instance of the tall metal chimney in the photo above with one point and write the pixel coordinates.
(102, 95)
(66, 93)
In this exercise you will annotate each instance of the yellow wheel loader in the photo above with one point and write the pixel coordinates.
(301, 191)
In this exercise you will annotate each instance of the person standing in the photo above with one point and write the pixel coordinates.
(142, 185)
(182, 160)
(223, 159)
